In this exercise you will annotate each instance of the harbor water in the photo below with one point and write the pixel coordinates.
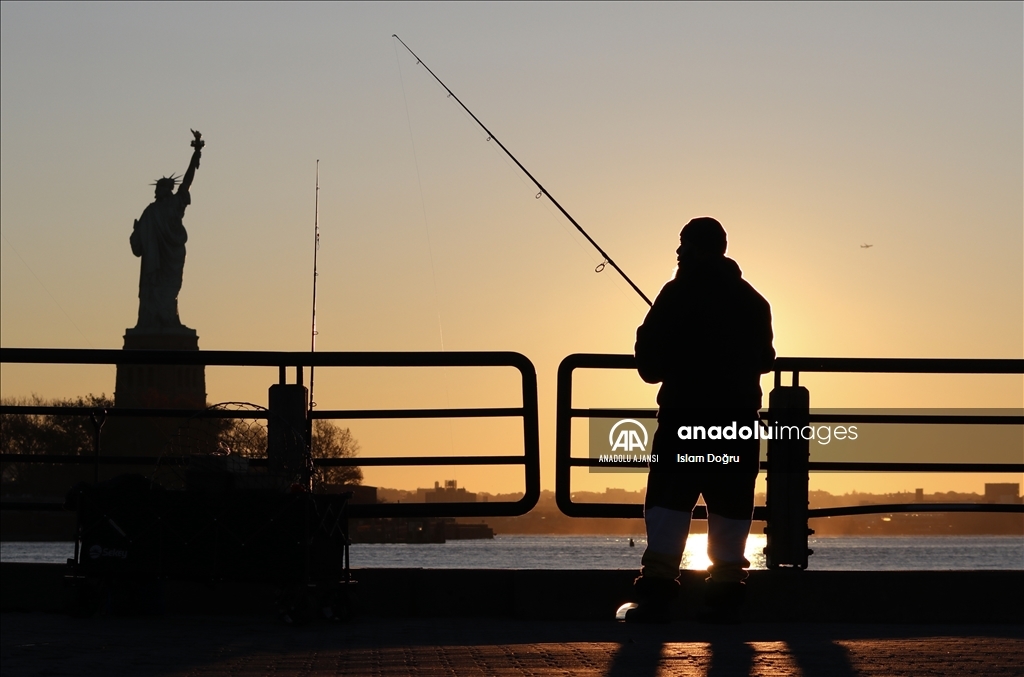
(847, 553)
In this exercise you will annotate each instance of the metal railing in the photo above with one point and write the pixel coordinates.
(530, 459)
(780, 519)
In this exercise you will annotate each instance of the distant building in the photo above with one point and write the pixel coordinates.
(919, 495)
(361, 493)
(1005, 492)
(614, 493)
(449, 493)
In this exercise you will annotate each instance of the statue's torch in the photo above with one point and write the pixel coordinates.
(198, 144)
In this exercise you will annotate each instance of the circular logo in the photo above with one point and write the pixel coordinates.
(96, 551)
(628, 437)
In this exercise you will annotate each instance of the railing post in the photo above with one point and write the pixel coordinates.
(563, 437)
(788, 456)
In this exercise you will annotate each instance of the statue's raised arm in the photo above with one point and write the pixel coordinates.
(190, 173)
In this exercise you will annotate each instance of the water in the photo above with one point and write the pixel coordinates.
(849, 553)
(893, 553)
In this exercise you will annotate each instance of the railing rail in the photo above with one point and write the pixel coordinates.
(530, 459)
(564, 461)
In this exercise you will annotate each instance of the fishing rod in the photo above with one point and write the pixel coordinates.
(313, 332)
(543, 191)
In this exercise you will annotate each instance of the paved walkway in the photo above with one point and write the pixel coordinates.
(47, 644)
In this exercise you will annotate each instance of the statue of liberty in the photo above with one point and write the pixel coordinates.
(159, 239)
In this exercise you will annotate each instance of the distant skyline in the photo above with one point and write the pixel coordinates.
(808, 130)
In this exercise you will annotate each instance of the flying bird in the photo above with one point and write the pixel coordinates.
(866, 246)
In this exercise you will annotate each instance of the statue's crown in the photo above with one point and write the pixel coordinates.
(172, 179)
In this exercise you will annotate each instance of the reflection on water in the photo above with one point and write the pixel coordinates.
(852, 553)
(695, 556)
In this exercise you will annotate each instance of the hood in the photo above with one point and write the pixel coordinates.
(719, 268)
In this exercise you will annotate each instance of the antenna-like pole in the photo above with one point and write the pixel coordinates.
(313, 332)
(543, 190)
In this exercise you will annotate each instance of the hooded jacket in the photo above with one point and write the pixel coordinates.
(707, 339)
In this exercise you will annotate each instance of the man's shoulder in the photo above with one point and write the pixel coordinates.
(670, 287)
(670, 292)
(753, 295)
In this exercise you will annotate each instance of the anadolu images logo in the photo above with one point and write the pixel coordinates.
(626, 436)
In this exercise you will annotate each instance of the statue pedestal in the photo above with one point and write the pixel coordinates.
(170, 386)
(144, 386)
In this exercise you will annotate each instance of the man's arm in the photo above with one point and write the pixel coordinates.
(653, 341)
(765, 336)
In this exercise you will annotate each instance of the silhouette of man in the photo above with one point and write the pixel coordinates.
(159, 238)
(707, 339)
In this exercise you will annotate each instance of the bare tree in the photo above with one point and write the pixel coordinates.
(60, 434)
(333, 441)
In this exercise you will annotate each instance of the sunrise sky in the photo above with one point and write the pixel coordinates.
(807, 130)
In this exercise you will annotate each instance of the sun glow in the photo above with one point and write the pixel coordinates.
(695, 556)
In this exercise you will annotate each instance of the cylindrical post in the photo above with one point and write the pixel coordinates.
(287, 451)
(788, 456)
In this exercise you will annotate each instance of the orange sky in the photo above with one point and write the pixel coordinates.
(807, 130)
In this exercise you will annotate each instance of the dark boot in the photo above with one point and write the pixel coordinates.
(654, 598)
(723, 602)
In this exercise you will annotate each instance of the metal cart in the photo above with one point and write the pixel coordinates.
(132, 534)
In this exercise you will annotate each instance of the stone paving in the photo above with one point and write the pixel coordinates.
(51, 645)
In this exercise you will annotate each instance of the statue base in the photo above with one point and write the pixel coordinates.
(171, 386)
(149, 386)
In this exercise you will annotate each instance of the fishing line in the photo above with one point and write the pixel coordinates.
(423, 204)
(430, 253)
(543, 191)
